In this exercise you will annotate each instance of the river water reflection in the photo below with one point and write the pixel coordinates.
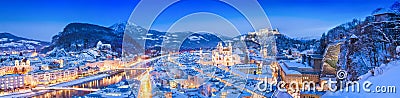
(95, 84)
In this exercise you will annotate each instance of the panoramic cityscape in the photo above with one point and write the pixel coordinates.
(158, 51)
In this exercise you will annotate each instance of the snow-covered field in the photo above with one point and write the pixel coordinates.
(20, 43)
(388, 75)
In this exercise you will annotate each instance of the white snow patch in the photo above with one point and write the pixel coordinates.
(3, 39)
(385, 75)
(31, 42)
(196, 38)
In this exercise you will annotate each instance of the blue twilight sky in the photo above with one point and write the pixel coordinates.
(42, 19)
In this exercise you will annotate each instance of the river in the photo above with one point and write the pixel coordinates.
(95, 84)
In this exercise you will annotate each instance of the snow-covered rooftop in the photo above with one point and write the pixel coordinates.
(296, 65)
(287, 71)
(10, 75)
(398, 49)
(242, 66)
(310, 51)
(353, 36)
(383, 11)
(281, 94)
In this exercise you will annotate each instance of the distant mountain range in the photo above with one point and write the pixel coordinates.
(124, 38)
(166, 41)
(11, 42)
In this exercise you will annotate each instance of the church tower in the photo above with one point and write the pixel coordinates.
(265, 52)
(16, 63)
(220, 47)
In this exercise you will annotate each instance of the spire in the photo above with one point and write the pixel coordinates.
(279, 77)
(219, 46)
(219, 43)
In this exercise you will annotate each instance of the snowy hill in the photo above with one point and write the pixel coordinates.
(79, 36)
(284, 43)
(197, 41)
(118, 27)
(376, 39)
(388, 76)
(12, 42)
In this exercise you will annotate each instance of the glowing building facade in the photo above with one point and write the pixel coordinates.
(224, 56)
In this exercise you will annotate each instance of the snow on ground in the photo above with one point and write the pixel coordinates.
(388, 76)
(3, 39)
(11, 44)
(398, 49)
(26, 41)
(196, 38)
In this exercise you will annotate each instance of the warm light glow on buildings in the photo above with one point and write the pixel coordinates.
(224, 56)
(106, 65)
(51, 76)
(12, 81)
(20, 67)
(168, 95)
(223, 94)
(34, 54)
(173, 84)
